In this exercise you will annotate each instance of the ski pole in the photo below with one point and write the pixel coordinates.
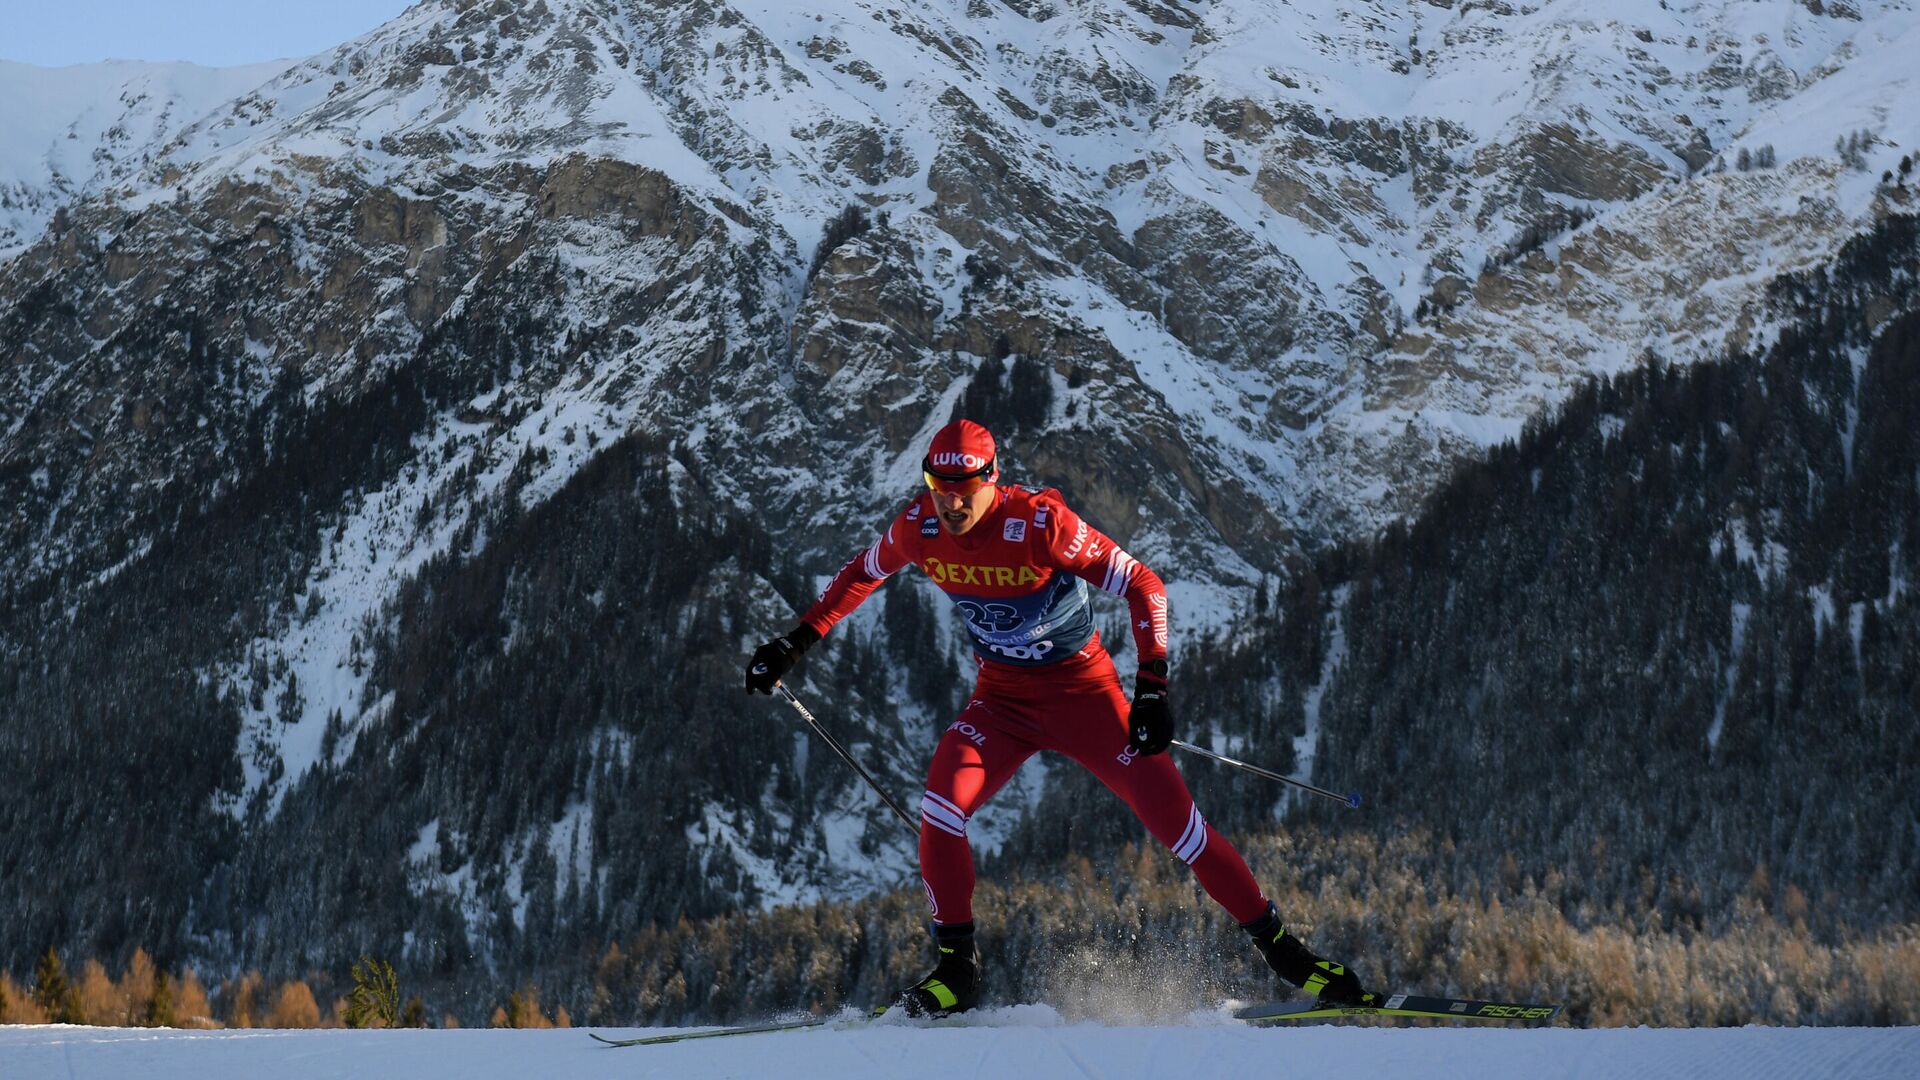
(1351, 798)
(846, 757)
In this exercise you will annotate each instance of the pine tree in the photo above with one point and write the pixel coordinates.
(847, 224)
(375, 999)
(986, 398)
(1031, 388)
(54, 993)
(160, 1009)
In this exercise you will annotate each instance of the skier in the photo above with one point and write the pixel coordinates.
(1016, 563)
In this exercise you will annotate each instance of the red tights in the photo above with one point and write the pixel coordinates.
(1077, 708)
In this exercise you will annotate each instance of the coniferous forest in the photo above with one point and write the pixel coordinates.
(1633, 704)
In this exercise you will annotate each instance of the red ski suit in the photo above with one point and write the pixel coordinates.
(1019, 578)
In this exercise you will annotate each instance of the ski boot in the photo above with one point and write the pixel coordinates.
(1290, 959)
(953, 986)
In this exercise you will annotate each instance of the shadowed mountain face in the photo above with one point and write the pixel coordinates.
(398, 449)
(1663, 647)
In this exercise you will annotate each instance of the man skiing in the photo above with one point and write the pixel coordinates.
(1016, 563)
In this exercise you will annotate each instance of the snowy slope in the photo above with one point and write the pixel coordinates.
(1030, 1041)
(68, 132)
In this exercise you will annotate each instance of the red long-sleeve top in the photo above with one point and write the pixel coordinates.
(1019, 578)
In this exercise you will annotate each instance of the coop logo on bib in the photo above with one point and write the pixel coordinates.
(1036, 651)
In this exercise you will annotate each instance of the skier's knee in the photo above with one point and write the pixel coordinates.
(939, 812)
(1194, 840)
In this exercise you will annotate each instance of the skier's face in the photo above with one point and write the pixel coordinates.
(958, 513)
(961, 501)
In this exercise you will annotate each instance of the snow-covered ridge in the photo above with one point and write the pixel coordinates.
(1350, 162)
(67, 133)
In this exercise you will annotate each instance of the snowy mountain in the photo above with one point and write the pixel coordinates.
(72, 133)
(283, 344)
(1346, 163)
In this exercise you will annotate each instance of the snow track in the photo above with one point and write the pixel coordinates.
(1027, 1041)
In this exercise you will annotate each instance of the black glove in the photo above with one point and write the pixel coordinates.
(1150, 723)
(772, 661)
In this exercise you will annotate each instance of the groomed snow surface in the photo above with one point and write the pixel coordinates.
(1023, 1041)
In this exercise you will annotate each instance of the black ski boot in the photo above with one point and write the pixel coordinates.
(1290, 959)
(953, 986)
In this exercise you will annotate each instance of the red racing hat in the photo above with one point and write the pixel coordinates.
(962, 453)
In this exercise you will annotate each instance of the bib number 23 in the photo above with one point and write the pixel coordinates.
(990, 618)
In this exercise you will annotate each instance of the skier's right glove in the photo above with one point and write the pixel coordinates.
(1150, 722)
(773, 660)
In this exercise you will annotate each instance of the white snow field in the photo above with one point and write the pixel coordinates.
(1024, 1041)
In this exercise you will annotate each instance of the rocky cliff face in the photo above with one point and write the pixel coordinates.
(1228, 216)
(1279, 266)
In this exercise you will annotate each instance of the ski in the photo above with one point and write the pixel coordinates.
(717, 1033)
(1432, 1008)
(839, 1021)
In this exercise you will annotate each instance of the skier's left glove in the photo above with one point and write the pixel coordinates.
(1150, 723)
(773, 660)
